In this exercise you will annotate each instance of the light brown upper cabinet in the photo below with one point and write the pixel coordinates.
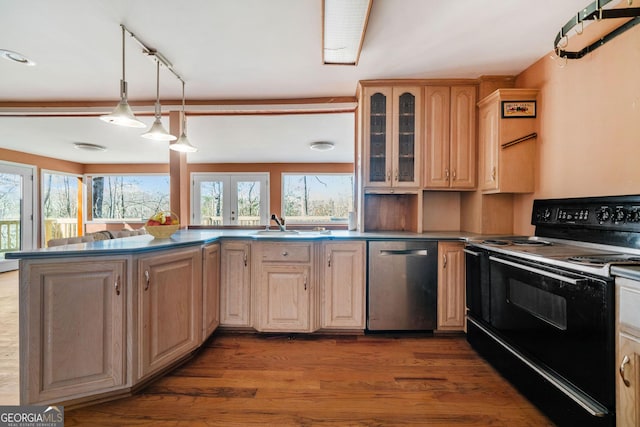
(392, 124)
(450, 132)
(507, 127)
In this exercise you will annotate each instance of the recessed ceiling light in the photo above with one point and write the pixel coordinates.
(322, 146)
(88, 146)
(16, 57)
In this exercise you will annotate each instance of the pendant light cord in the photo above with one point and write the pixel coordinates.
(184, 116)
(157, 89)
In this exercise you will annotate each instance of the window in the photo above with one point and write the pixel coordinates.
(230, 199)
(317, 198)
(126, 197)
(59, 205)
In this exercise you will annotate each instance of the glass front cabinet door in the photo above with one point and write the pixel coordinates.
(392, 132)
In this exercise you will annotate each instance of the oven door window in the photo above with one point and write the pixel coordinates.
(544, 305)
(559, 319)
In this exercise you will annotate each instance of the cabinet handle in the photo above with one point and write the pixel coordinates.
(388, 175)
(625, 362)
(305, 283)
(396, 175)
(493, 173)
(444, 261)
(117, 285)
(146, 276)
(446, 174)
(245, 259)
(329, 260)
(285, 253)
(454, 174)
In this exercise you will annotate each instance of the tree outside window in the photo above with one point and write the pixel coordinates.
(317, 198)
(59, 205)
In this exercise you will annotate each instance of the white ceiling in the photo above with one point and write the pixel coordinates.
(243, 50)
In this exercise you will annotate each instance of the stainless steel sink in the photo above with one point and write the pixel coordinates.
(275, 232)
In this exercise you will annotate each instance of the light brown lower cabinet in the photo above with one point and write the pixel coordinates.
(210, 289)
(628, 353)
(451, 286)
(284, 287)
(235, 283)
(72, 326)
(169, 307)
(342, 293)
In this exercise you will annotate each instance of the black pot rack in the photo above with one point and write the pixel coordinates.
(596, 12)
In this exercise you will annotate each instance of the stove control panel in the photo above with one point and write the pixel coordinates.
(614, 213)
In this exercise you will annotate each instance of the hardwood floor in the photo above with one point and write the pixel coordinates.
(280, 380)
(239, 380)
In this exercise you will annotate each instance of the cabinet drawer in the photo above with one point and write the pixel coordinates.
(629, 300)
(286, 252)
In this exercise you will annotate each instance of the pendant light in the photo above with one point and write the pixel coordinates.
(157, 132)
(122, 115)
(183, 144)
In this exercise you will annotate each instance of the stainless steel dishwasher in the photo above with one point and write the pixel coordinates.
(402, 285)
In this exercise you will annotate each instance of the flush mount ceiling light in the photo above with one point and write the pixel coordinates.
(89, 146)
(182, 144)
(123, 115)
(322, 146)
(16, 57)
(157, 132)
(344, 25)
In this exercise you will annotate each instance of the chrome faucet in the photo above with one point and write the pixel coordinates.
(280, 222)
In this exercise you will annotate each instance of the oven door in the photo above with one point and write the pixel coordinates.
(561, 320)
(478, 296)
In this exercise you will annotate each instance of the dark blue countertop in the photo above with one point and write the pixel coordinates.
(186, 238)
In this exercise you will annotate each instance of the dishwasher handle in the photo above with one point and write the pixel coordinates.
(418, 252)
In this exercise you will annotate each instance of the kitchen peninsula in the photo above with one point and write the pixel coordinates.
(99, 320)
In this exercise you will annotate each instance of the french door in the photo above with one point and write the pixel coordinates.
(17, 227)
(230, 199)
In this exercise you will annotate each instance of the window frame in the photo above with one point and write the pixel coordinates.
(229, 197)
(341, 223)
(88, 204)
(80, 220)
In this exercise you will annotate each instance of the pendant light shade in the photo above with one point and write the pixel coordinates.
(122, 115)
(183, 144)
(157, 132)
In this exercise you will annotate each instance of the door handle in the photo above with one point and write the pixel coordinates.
(623, 365)
(444, 261)
(538, 271)
(419, 252)
(305, 283)
(117, 285)
(244, 257)
(146, 275)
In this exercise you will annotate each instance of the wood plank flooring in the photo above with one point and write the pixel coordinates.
(245, 380)
(282, 380)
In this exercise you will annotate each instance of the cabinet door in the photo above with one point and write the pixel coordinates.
(377, 135)
(436, 161)
(407, 136)
(235, 286)
(210, 289)
(343, 287)
(451, 280)
(284, 298)
(73, 318)
(170, 307)
(462, 158)
(489, 139)
(628, 391)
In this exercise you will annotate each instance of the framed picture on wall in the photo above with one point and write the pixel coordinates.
(518, 109)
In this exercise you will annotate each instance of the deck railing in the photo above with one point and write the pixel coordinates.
(57, 228)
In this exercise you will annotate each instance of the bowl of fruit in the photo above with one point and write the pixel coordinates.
(162, 225)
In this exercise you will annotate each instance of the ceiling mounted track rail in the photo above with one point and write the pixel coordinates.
(153, 53)
(592, 13)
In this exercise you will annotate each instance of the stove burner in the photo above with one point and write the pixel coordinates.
(496, 242)
(527, 242)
